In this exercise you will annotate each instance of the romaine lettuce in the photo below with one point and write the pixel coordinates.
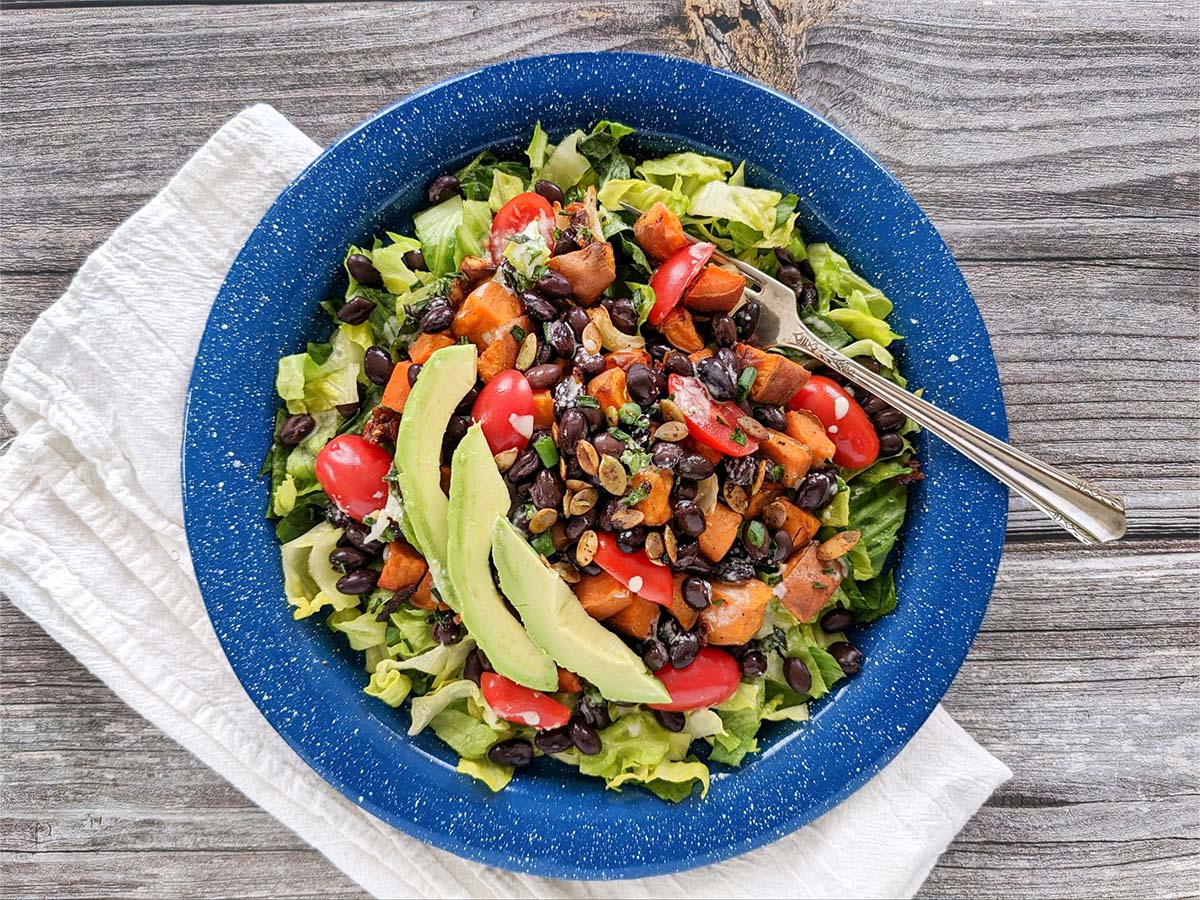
(453, 229)
(390, 686)
(685, 172)
(752, 207)
(327, 374)
(493, 775)
(309, 579)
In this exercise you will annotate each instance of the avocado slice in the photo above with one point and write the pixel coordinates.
(560, 626)
(445, 379)
(477, 496)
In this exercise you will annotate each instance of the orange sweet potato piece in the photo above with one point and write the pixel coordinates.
(659, 232)
(680, 331)
(808, 430)
(809, 582)
(716, 290)
(758, 502)
(737, 611)
(694, 446)
(568, 682)
(403, 567)
(637, 620)
(679, 608)
(486, 309)
(720, 531)
(656, 507)
(426, 345)
(601, 595)
(395, 395)
(499, 356)
(778, 377)
(609, 388)
(623, 359)
(543, 410)
(590, 270)
(423, 597)
(789, 453)
(800, 525)
(494, 334)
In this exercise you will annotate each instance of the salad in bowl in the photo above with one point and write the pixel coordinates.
(544, 477)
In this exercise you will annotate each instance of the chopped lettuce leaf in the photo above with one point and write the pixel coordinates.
(467, 735)
(876, 510)
(492, 774)
(702, 723)
(835, 278)
(874, 349)
(753, 207)
(528, 252)
(602, 149)
(685, 172)
(477, 179)
(837, 512)
(388, 685)
(361, 630)
(409, 633)
(827, 330)
(326, 375)
(539, 148)
(389, 260)
(869, 599)
(309, 579)
(741, 716)
(640, 194)
(862, 326)
(474, 229)
(444, 662)
(426, 708)
(309, 509)
(437, 229)
(504, 188)
(566, 166)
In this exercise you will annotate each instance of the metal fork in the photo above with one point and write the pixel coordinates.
(1089, 513)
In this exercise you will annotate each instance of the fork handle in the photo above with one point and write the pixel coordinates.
(1090, 514)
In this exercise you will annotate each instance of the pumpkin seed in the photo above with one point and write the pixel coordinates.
(542, 520)
(591, 338)
(583, 501)
(753, 427)
(566, 572)
(735, 497)
(574, 484)
(838, 545)
(670, 411)
(612, 416)
(505, 460)
(655, 547)
(528, 352)
(612, 475)
(588, 457)
(671, 431)
(706, 494)
(585, 550)
(625, 518)
(759, 477)
(775, 514)
(670, 544)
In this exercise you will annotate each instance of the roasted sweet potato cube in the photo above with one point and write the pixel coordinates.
(602, 595)
(680, 331)
(403, 567)
(590, 271)
(679, 607)
(395, 395)
(426, 345)
(758, 501)
(737, 611)
(623, 359)
(659, 232)
(808, 430)
(609, 388)
(720, 531)
(543, 410)
(423, 597)
(778, 377)
(568, 682)
(483, 313)
(809, 582)
(716, 290)
(499, 356)
(789, 453)
(656, 507)
(637, 620)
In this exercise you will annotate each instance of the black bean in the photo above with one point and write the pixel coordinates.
(724, 331)
(890, 444)
(771, 416)
(438, 316)
(378, 365)
(631, 540)
(836, 620)
(356, 534)
(560, 338)
(608, 444)
(716, 379)
(577, 525)
(728, 359)
(513, 752)
(684, 649)
(337, 518)
(782, 545)
(654, 654)
(816, 489)
(589, 364)
(697, 593)
(554, 285)
(295, 429)
(849, 657)
(791, 276)
(888, 420)
(737, 571)
(676, 363)
(347, 558)
(872, 405)
(669, 630)
(356, 310)
(604, 519)
(538, 307)
(348, 410)
(739, 469)
(746, 319)
(566, 393)
(546, 492)
(754, 663)
(549, 190)
(447, 631)
(695, 467)
(572, 428)
(524, 467)
(584, 737)
(672, 721)
(364, 271)
(784, 255)
(807, 296)
(688, 518)
(442, 188)
(577, 318)
(666, 455)
(467, 404)
(684, 490)
(567, 242)
(358, 581)
(544, 354)
(595, 418)
(591, 569)
(413, 371)
(796, 673)
(456, 430)
(642, 384)
(541, 378)
(699, 566)
(624, 316)
(557, 740)
(595, 714)
(415, 260)
(475, 666)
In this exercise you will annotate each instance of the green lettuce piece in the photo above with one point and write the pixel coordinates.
(428, 707)
(874, 349)
(876, 510)
(444, 662)
(361, 630)
(835, 278)
(862, 326)
(528, 252)
(474, 229)
(566, 166)
(504, 188)
(685, 172)
(437, 229)
(640, 194)
(752, 207)
(477, 179)
(602, 149)
(327, 374)
(465, 734)
(539, 148)
(837, 512)
(702, 723)
(827, 330)
(389, 260)
(492, 774)
(309, 509)
(388, 685)
(673, 780)
(409, 633)
(869, 599)
(309, 579)
(741, 716)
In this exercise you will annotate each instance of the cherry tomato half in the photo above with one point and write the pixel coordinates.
(635, 571)
(710, 422)
(847, 425)
(517, 703)
(515, 216)
(504, 408)
(672, 279)
(351, 469)
(710, 678)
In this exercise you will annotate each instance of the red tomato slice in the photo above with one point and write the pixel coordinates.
(672, 279)
(505, 410)
(635, 571)
(351, 469)
(710, 422)
(847, 425)
(523, 705)
(711, 678)
(515, 216)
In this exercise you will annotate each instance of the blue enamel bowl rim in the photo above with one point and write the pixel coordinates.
(856, 756)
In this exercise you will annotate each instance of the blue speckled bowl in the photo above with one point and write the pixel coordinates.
(309, 686)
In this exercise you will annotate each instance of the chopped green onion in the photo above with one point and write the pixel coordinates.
(637, 495)
(546, 450)
(776, 472)
(746, 381)
(629, 413)
(518, 333)
(738, 437)
(770, 578)
(543, 543)
(756, 533)
(587, 401)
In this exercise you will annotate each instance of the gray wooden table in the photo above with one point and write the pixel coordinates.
(1055, 147)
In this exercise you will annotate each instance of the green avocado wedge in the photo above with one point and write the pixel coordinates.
(477, 496)
(559, 625)
(445, 379)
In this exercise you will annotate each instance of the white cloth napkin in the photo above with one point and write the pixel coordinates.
(92, 547)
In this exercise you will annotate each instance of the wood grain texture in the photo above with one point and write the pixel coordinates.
(1054, 147)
